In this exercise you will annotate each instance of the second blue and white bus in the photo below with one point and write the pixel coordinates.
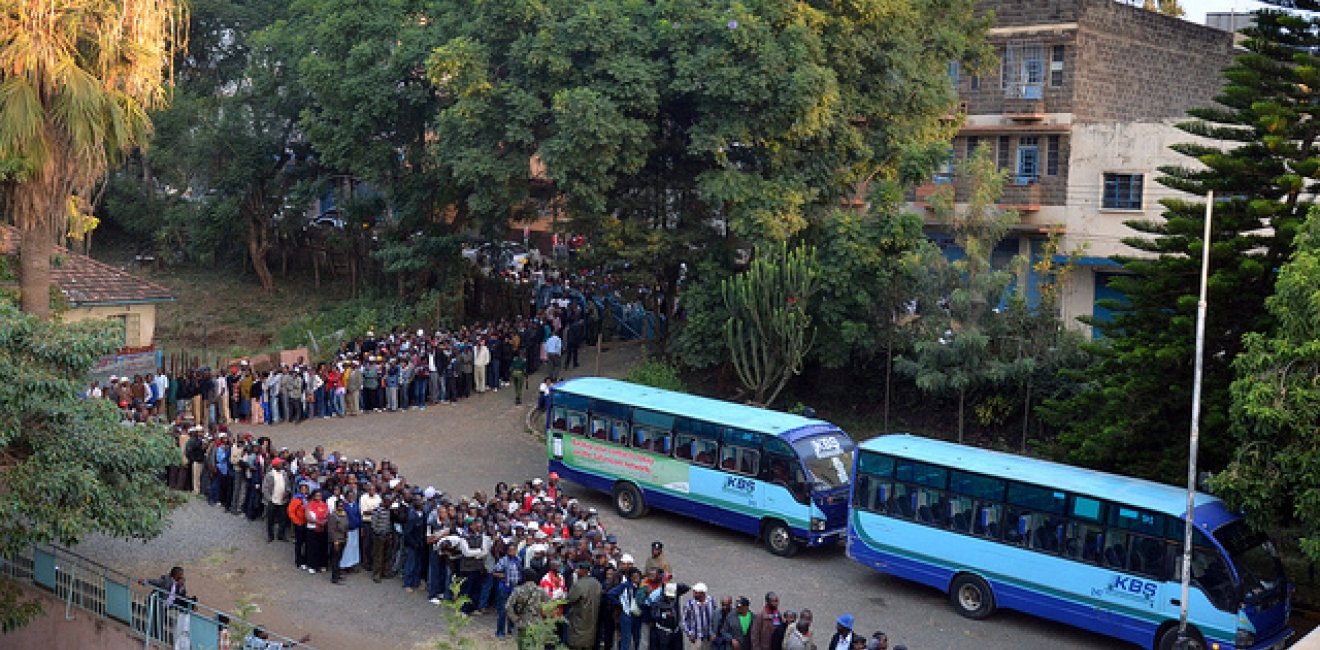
(1098, 551)
(781, 477)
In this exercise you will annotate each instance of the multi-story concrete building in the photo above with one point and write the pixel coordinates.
(1081, 113)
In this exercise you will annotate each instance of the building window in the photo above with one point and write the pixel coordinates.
(1123, 191)
(1056, 66)
(1052, 156)
(1001, 160)
(954, 69)
(1023, 74)
(976, 82)
(972, 143)
(1028, 160)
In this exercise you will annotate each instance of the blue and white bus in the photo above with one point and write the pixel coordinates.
(1094, 550)
(781, 477)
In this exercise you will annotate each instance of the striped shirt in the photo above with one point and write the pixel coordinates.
(511, 567)
(699, 618)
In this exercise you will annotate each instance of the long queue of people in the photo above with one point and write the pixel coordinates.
(514, 550)
(369, 374)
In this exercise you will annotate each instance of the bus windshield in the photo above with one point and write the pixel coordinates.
(828, 459)
(1253, 555)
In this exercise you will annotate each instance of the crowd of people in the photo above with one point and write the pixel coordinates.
(512, 551)
(369, 374)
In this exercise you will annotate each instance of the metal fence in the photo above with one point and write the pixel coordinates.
(116, 597)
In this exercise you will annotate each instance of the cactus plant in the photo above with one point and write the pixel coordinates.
(769, 330)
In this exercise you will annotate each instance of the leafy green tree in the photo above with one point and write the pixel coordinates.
(879, 264)
(769, 331)
(78, 81)
(1273, 476)
(962, 349)
(1131, 413)
(371, 115)
(67, 467)
(672, 128)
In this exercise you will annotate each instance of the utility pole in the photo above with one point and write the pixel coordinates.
(1184, 641)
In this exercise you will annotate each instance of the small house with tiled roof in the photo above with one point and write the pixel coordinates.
(95, 289)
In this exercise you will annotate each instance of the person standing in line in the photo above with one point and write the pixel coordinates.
(765, 622)
(337, 534)
(843, 635)
(798, 637)
(298, 519)
(699, 619)
(554, 349)
(507, 575)
(480, 361)
(353, 388)
(583, 607)
(777, 639)
(275, 492)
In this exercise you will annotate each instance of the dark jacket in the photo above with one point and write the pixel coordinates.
(727, 630)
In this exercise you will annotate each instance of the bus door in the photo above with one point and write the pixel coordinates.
(786, 482)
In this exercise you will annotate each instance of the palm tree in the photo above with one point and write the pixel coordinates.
(77, 80)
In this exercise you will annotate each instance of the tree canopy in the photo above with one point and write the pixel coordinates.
(77, 81)
(1275, 473)
(68, 468)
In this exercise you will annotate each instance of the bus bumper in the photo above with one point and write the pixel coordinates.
(826, 537)
(1276, 642)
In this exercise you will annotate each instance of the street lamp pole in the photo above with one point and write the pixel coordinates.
(1184, 640)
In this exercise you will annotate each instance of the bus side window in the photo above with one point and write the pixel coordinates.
(1083, 541)
(987, 521)
(704, 452)
(685, 447)
(577, 422)
(1116, 550)
(1149, 556)
(749, 462)
(559, 420)
(619, 432)
(599, 428)
(960, 514)
(901, 503)
(664, 442)
(642, 438)
(729, 458)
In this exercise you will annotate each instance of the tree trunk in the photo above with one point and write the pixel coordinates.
(258, 246)
(34, 269)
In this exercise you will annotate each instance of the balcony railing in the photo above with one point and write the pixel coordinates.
(115, 597)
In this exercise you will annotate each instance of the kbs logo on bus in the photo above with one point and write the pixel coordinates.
(739, 485)
(1130, 588)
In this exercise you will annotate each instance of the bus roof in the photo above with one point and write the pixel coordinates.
(1159, 497)
(748, 418)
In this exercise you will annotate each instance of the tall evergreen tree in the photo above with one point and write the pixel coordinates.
(1132, 411)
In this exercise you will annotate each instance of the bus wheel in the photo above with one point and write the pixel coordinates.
(1169, 639)
(971, 596)
(779, 539)
(628, 501)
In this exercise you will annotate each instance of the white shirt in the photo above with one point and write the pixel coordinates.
(162, 385)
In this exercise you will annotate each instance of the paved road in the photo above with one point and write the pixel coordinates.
(472, 445)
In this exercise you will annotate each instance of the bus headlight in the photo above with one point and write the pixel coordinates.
(817, 524)
(1245, 639)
